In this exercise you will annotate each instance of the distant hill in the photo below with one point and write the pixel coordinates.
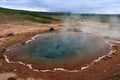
(29, 17)
(10, 15)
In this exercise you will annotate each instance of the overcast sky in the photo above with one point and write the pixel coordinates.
(75, 6)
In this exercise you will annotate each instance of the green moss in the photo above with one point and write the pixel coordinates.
(13, 39)
(116, 78)
(33, 19)
(42, 15)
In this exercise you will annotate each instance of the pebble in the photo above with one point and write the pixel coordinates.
(109, 57)
(105, 58)
(105, 70)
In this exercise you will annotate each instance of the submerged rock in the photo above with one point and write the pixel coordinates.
(77, 30)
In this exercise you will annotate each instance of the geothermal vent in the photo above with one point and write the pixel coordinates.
(62, 47)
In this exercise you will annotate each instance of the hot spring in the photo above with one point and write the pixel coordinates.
(70, 50)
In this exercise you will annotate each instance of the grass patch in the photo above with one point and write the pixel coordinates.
(33, 19)
(42, 15)
(116, 78)
(12, 40)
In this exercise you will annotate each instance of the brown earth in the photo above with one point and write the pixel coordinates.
(105, 69)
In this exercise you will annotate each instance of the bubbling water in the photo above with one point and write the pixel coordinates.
(62, 45)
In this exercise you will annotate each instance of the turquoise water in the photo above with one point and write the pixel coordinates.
(70, 50)
(59, 46)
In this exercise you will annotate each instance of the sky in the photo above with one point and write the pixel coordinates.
(73, 6)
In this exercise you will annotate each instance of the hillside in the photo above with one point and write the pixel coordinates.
(26, 17)
(23, 17)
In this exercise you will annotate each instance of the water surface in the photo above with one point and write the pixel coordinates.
(55, 47)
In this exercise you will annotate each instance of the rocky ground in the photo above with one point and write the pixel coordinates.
(105, 69)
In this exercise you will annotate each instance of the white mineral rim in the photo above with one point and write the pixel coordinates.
(33, 38)
(62, 69)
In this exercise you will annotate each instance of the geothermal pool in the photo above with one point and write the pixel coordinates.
(70, 50)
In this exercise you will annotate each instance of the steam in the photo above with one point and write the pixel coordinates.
(93, 24)
(71, 23)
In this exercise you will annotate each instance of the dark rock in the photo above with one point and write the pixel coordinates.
(23, 43)
(11, 78)
(109, 57)
(105, 58)
(10, 34)
(1, 56)
(114, 54)
(97, 62)
(77, 30)
(1, 36)
(115, 47)
(3, 50)
(51, 29)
